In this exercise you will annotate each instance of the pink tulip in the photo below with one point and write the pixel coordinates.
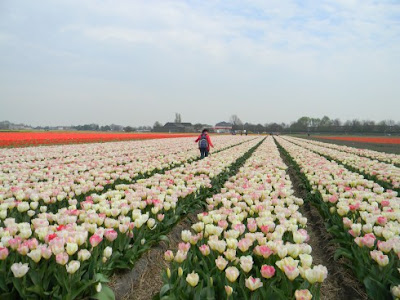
(110, 234)
(368, 240)
(385, 203)
(14, 243)
(168, 255)
(267, 271)
(62, 258)
(205, 250)
(3, 253)
(23, 249)
(95, 240)
(265, 229)
(333, 199)
(184, 247)
(263, 251)
(381, 220)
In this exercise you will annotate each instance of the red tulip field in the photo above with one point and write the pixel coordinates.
(262, 217)
(22, 139)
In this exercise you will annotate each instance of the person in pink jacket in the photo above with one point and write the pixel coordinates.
(204, 143)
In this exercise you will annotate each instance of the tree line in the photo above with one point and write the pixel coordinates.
(302, 125)
(320, 125)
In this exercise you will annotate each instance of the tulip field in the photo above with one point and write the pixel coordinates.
(361, 214)
(73, 215)
(24, 139)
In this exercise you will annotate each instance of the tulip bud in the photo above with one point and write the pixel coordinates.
(228, 290)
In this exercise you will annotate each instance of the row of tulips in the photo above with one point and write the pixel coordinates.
(69, 254)
(388, 175)
(250, 244)
(364, 219)
(24, 188)
(391, 158)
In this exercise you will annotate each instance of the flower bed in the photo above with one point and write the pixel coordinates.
(385, 174)
(77, 173)
(381, 156)
(251, 243)
(23, 139)
(374, 140)
(363, 218)
(69, 253)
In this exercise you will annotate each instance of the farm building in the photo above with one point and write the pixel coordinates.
(177, 127)
(223, 127)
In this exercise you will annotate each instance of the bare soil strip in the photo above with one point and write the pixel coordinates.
(340, 283)
(144, 281)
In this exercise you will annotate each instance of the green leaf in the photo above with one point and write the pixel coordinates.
(99, 277)
(35, 277)
(18, 286)
(35, 289)
(164, 238)
(85, 286)
(375, 289)
(342, 252)
(165, 289)
(105, 294)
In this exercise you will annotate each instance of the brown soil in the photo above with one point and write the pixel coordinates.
(340, 283)
(144, 281)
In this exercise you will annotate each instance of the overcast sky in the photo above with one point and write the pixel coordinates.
(136, 62)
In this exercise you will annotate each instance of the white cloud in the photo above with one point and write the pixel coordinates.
(316, 52)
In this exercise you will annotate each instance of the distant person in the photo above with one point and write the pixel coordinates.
(204, 143)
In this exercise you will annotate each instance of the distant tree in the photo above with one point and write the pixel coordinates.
(115, 127)
(315, 122)
(178, 118)
(157, 124)
(325, 122)
(105, 128)
(304, 122)
(336, 122)
(129, 129)
(259, 128)
(198, 126)
(235, 121)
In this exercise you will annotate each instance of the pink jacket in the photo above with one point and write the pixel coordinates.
(208, 140)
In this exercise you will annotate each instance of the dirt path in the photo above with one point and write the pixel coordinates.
(144, 280)
(340, 283)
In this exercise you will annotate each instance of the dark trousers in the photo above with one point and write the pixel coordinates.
(203, 152)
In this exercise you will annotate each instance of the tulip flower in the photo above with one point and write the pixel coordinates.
(95, 240)
(192, 279)
(19, 269)
(267, 271)
(232, 273)
(253, 283)
(303, 295)
(73, 266)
